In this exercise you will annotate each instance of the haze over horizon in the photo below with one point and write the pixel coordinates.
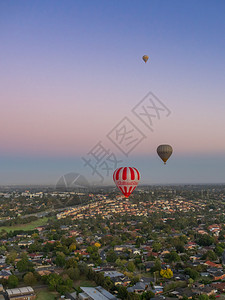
(71, 71)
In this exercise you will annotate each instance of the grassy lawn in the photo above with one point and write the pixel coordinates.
(28, 226)
(45, 296)
(83, 282)
(147, 274)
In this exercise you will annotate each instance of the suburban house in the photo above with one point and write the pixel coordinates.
(23, 293)
(91, 293)
(4, 274)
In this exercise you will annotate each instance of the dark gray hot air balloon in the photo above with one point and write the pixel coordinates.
(145, 58)
(164, 152)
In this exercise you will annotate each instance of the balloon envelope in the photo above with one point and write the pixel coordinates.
(164, 152)
(126, 179)
(145, 58)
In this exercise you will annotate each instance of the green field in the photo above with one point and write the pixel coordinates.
(86, 283)
(45, 296)
(28, 226)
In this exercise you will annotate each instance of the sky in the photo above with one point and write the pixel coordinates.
(70, 71)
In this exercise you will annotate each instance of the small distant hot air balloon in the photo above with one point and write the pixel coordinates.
(126, 179)
(145, 58)
(164, 152)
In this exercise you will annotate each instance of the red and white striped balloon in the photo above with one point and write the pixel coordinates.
(126, 179)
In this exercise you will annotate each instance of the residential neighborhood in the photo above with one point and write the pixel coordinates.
(159, 243)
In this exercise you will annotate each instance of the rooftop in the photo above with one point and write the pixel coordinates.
(98, 293)
(20, 291)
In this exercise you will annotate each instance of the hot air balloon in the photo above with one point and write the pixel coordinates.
(126, 179)
(164, 152)
(145, 58)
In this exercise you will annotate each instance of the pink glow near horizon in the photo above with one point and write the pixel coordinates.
(66, 84)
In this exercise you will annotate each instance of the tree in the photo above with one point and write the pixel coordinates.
(180, 247)
(71, 263)
(119, 262)
(53, 280)
(133, 296)
(111, 256)
(148, 295)
(10, 258)
(35, 247)
(185, 257)
(156, 246)
(131, 266)
(74, 273)
(66, 286)
(192, 273)
(24, 265)
(134, 280)
(98, 245)
(219, 250)
(29, 279)
(95, 257)
(168, 273)
(190, 281)
(2, 249)
(203, 297)
(108, 284)
(139, 241)
(157, 266)
(60, 259)
(92, 249)
(100, 278)
(72, 247)
(59, 283)
(205, 240)
(13, 281)
(211, 255)
(122, 292)
(172, 256)
(83, 268)
(221, 235)
(35, 235)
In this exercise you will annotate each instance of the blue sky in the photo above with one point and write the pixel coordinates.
(70, 70)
